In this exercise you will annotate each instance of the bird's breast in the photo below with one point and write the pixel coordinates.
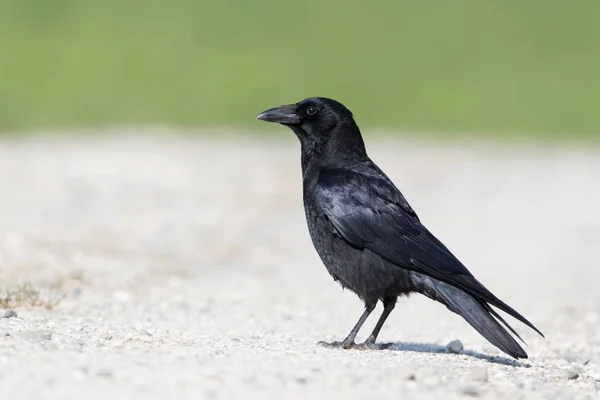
(360, 270)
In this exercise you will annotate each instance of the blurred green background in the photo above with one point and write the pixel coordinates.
(512, 66)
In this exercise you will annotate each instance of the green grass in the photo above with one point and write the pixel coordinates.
(478, 65)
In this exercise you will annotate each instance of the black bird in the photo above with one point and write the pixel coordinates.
(369, 237)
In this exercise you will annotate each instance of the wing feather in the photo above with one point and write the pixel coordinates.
(369, 212)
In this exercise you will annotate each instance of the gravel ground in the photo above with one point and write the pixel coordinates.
(188, 272)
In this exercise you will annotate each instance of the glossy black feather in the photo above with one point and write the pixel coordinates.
(369, 237)
(370, 212)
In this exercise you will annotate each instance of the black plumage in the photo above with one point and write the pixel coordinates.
(369, 237)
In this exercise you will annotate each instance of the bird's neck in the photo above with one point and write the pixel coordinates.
(342, 147)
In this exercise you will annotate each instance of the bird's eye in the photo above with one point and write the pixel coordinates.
(311, 110)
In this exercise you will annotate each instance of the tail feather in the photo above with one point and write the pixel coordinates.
(499, 318)
(488, 297)
(478, 314)
(480, 292)
(472, 286)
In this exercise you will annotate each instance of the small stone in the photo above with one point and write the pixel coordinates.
(411, 377)
(10, 314)
(569, 373)
(454, 346)
(470, 390)
(301, 380)
(479, 374)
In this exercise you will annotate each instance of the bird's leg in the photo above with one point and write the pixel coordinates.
(388, 306)
(348, 343)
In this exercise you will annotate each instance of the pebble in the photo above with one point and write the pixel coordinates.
(470, 390)
(9, 314)
(569, 373)
(454, 346)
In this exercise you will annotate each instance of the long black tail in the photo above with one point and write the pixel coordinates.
(477, 313)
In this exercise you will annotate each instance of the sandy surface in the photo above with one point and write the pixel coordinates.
(188, 272)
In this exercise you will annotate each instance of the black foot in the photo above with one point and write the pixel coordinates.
(376, 346)
(355, 346)
(337, 345)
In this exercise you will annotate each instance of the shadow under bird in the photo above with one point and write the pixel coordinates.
(368, 236)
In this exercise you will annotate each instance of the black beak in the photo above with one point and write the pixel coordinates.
(282, 115)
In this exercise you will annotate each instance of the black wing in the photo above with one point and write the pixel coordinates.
(369, 212)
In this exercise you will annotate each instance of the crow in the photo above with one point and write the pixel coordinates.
(368, 236)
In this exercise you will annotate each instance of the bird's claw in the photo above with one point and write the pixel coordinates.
(376, 346)
(336, 345)
(355, 346)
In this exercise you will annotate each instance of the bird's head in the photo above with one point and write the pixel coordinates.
(324, 126)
